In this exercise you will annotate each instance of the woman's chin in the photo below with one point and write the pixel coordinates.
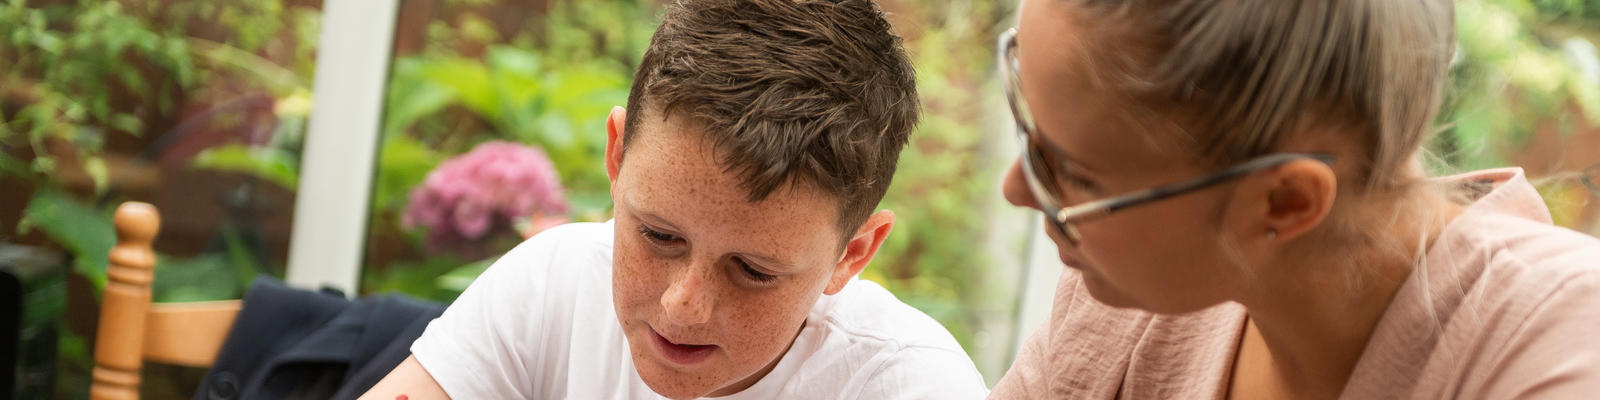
(1104, 293)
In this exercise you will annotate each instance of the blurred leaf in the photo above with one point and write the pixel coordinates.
(470, 82)
(412, 95)
(457, 279)
(405, 163)
(13, 167)
(418, 279)
(126, 123)
(96, 168)
(280, 80)
(274, 165)
(204, 277)
(216, 275)
(82, 229)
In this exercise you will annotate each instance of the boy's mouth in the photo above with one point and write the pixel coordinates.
(682, 354)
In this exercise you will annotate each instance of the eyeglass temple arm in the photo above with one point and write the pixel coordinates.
(1113, 204)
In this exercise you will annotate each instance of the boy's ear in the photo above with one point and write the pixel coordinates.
(860, 249)
(615, 123)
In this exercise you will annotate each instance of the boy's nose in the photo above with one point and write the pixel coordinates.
(688, 301)
(1015, 187)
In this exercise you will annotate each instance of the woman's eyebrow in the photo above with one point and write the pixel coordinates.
(1060, 155)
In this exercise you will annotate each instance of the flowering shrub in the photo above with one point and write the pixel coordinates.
(470, 201)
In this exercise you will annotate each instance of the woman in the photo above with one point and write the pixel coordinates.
(1237, 189)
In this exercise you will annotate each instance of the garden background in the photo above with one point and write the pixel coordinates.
(200, 107)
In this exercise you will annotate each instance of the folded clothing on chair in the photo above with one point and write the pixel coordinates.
(291, 343)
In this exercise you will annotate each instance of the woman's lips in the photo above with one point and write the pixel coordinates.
(682, 354)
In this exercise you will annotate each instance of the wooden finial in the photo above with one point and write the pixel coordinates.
(118, 353)
(137, 222)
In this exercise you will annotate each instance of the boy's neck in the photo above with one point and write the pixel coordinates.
(751, 380)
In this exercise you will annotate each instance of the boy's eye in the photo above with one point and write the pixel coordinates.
(657, 236)
(754, 274)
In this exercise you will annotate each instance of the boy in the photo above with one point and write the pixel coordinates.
(746, 170)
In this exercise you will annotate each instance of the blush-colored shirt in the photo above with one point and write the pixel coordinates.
(1503, 305)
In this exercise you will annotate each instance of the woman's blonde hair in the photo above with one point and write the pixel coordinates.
(1241, 76)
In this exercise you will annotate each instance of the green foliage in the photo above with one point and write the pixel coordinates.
(276, 165)
(66, 76)
(82, 229)
(205, 277)
(406, 162)
(441, 102)
(560, 107)
(1506, 80)
(431, 278)
(935, 260)
(1568, 9)
(80, 73)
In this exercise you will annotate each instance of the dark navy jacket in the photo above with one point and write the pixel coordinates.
(298, 344)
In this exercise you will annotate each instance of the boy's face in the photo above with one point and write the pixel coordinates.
(710, 288)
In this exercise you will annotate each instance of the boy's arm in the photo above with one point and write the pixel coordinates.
(478, 348)
(408, 381)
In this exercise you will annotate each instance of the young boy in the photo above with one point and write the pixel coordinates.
(758, 139)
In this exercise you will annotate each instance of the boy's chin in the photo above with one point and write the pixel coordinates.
(672, 383)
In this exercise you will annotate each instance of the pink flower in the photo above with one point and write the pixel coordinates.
(472, 199)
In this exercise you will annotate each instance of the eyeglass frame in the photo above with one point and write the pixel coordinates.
(1591, 178)
(1065, 218)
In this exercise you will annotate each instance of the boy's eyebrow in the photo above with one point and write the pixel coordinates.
(647, 214)
(769, 262)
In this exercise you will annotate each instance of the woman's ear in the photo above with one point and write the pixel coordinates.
(1286, 201)
(858, 252)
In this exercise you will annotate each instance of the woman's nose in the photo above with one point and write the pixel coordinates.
(1015, 187)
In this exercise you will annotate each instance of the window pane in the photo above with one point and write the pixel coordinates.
(1525, 91)
(198, 107)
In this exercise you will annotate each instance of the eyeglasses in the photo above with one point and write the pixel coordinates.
(1043, 182)
(1591, 178)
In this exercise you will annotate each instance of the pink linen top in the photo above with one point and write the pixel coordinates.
(1507, 306)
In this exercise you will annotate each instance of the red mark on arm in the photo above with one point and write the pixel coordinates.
(402, 397)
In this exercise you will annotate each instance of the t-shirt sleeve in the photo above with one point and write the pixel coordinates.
(1554, 354)
(480, 347)
(925, 373)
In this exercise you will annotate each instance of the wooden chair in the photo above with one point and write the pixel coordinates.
(132, 329)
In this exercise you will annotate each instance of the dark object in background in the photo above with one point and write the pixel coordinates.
(1591, 178)
(33, 296)
(290, 343)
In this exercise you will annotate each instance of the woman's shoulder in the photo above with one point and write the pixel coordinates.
(1519, 303)
(1505, 239)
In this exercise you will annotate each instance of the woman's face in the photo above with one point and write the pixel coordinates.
(1162, 256)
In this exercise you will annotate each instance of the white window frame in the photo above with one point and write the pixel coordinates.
(328, 239)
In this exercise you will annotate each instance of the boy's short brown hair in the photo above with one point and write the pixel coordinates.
(786, 91)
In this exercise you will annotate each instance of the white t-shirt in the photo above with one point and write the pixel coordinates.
(539, 324)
